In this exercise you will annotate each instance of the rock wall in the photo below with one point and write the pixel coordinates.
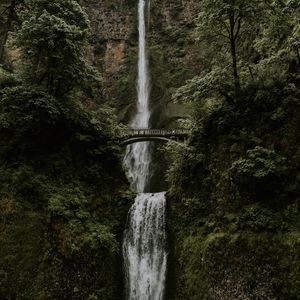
(172, 53)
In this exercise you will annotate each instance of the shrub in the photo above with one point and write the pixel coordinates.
(259, 174)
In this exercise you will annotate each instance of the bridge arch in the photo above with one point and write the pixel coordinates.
(134, 140)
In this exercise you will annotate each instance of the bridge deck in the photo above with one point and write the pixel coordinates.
(127, 133)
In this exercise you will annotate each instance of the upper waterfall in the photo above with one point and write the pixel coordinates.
(138, 157)
(141, 119)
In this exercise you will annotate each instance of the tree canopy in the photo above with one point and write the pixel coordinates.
(53, 38)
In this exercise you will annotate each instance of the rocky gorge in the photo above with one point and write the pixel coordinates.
(232, 200)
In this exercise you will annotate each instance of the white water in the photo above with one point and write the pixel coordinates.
(138, 157)
(144, 246)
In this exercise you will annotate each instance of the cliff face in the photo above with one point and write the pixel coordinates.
(112, 30)
(172, 54)
(173, 58)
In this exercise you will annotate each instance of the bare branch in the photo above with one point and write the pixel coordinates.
(239, 28)
(4, 11)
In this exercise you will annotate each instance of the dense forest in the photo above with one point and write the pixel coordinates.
(227, 70)
(234, 190)
(64, 197)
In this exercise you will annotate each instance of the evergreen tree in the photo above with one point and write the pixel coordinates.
(53, 38)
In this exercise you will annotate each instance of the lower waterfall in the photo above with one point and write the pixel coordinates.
(144, 248)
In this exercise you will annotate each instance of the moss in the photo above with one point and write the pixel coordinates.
(22, 248)
(239, 265)
(63, 199)
(234, 202)
(66, 247)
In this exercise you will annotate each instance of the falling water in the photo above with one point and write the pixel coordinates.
(138, 157)
(145, 236)
(144, 248)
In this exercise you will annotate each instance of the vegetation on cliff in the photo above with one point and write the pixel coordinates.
(63, 195)
(234, 189)
(233, 215)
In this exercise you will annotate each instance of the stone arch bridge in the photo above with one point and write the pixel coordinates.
(131, 136)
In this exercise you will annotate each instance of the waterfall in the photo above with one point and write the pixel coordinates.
(144, 246)
(138, 157)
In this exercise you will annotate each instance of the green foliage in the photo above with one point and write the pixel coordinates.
(259, 219)
(180, 158)
(28, 108)
(26, 105)
(82, 230)
(290, 264)
(22, 249)
(279, 30)
(259, 174)
(259, 164)
(257, 43)
(73, 225)
(63, 195)
(201, 87)
(224, 25)
(7, 79)
(234, 206)
(52, 38)
(227, 262)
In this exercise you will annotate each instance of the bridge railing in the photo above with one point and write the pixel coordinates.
(155, 132)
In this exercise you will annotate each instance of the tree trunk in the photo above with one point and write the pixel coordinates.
(7, 27)
(3, 39)
(234, 66)
(233, 38)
